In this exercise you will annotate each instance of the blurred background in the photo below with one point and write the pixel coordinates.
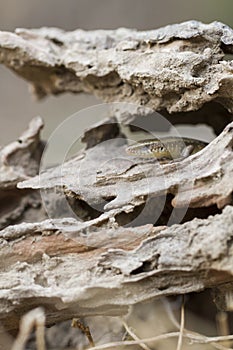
(18, 107)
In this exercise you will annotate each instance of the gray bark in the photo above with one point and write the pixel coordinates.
(178, 68)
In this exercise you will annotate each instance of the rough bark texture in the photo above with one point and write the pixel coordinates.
(178, 68)
(107, 173)
(19, 161)
(102, 272)
(116, 250)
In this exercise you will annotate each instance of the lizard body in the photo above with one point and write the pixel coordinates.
(166, 148)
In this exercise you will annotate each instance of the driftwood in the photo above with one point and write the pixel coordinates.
(104, 271)
(183, 67)
(178, 68)
(102, 174)
(119, 230)
(19, 161)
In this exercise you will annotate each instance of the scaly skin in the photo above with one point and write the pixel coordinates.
(166, 148)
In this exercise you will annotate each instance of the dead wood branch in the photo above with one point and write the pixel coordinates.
(19, 161)
(177, 68)
(73, 272)
(106, 174)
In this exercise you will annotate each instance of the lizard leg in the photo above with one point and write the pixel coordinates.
(187, 151)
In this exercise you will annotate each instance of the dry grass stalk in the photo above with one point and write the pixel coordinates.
(34, 318)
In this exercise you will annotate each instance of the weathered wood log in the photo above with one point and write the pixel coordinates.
(177, 68)
(106, 175)
(19, 161)
(74, 272)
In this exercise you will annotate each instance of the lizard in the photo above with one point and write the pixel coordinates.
(166, 148)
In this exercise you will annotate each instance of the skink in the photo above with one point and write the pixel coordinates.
(166, 148)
